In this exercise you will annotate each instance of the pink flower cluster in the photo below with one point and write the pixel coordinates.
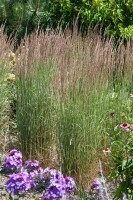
(126, 127)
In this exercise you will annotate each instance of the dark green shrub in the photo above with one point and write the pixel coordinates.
(115, 17)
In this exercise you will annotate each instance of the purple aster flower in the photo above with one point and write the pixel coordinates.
(31, 165)
(13, 151)
(96, 184)
(44, 176)
(55, 191)
(40, 170)
(40, 176)
(36, 173)
(33, 174)
(19, 183)
(49, 175)
(70, 185)
(13, 161)
(57, 187)
(60, 181)
(55, 174)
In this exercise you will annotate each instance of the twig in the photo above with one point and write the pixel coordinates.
(103, 181)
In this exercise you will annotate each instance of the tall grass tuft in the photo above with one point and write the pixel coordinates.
(5, 91)
(66, 88)
(35, 113)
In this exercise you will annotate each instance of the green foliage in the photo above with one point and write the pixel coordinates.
(122, 154)
(78, 127)
(4, 104)
(35, 112)
(115, 17)
(20, 17)
(7, 97)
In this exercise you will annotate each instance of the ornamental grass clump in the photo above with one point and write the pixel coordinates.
(62, 82)
(13, 162)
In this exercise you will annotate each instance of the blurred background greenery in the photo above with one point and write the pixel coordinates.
(114, 17)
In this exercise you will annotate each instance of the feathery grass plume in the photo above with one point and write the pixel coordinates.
(64, 94)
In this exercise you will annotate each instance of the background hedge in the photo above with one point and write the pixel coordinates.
(115, 16)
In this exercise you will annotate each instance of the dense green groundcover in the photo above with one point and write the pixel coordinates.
(115, 16)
